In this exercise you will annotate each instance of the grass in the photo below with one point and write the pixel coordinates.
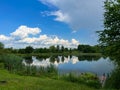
(16, 82)
(88, 79)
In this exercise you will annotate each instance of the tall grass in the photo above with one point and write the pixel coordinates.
(11, 62)
(49, 71)
(14, 64)
(88, 79)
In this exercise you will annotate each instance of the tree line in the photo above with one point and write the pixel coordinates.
(53, 49)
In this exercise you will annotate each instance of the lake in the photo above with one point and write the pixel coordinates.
(81, 64)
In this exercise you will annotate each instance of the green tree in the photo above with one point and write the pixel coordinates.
(110, 38)
(62, 48)
(52, 48)
(86, 49)
(1, 45)
(29, 49)
(22, 51)
(57, 48)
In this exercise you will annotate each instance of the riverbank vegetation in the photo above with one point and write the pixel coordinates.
(9, 81)
(15, 69)
(14, 65)
(110, 39)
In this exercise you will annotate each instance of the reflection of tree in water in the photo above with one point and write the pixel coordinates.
(62, 58)
(70, 56)
(41, 57)
(89, 58)
(54, 58)
(57, 59)
(80, 58)
(28, 59)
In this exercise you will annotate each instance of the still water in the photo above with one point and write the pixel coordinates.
(97, 65)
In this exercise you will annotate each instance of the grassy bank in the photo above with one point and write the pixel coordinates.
(16, 82)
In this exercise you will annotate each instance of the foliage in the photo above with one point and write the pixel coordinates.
(22, 51)
(1, 45)
(58, 49)
(11, 62)
(113, 80)
(28, 70)
(88, 49)
(110, 38)
(29, 49)
(52, 49)
(86, 78)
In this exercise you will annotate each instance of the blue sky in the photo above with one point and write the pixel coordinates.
(51, 22)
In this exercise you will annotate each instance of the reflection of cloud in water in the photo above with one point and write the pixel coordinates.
(46, 62)
(99, 67)
(43, 63)
(36, 62)
(73, 60)
(73, 64)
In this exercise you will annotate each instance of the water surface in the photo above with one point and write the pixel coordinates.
(76, 64)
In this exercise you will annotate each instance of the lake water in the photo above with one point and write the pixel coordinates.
(97, 65)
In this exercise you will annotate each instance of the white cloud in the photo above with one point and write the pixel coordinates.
(43, 37)
(4, 38)
(60, 16)
(75, 42)
(24, 33)
(28, 40)
(79, 14)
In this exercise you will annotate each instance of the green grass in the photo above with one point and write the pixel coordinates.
(16, 82)
(88, 79)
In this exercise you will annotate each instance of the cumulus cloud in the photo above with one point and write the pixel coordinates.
(75, 42)
(24, 33)
(4, 38)
(79, 14)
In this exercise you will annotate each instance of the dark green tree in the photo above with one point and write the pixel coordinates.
(52, 49)
(62, 48)
(29, 49)
(110, 38)
(86, 49)
(1, 45)
(57, 48)
(22, 51)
